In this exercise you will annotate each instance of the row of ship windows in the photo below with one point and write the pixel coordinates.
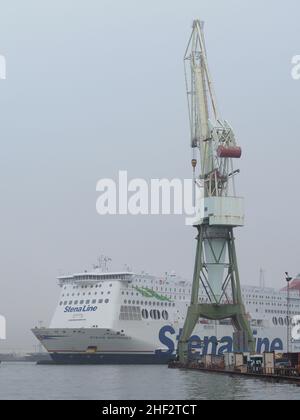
(128, 314)
(82, 302)
(137, 302)
(83, 294)
(280, 321)
(155, 314)
(272, 304)
(99, 278)
(262, 297)
(281, 312)
(86, 287)
(266, 297)
(181, 297)
(167, 289)
(282, 305)
(162, 289)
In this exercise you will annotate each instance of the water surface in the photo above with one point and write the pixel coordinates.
(29, 381)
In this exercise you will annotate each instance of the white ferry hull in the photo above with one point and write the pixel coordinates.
(100, 346)
(126, 318)
(97, 346)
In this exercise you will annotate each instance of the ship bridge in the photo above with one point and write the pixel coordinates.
(93, 278)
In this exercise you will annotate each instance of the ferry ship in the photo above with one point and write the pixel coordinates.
(127, 318)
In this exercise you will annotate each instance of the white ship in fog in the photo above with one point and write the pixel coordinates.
(123, 317)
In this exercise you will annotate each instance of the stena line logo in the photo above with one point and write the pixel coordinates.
(85, 308)
(211, 345)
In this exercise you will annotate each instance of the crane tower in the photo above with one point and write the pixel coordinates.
(219, 209)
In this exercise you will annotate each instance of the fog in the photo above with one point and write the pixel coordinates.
(94, 87)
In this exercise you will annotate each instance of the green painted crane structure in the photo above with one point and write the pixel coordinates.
(219, 209)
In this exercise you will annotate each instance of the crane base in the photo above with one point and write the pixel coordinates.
(231, 293)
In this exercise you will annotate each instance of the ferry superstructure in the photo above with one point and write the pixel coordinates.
(128, 318)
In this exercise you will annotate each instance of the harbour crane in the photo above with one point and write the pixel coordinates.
(220, 209)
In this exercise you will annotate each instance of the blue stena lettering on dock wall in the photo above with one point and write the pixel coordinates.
(211, 345)
(84, 308)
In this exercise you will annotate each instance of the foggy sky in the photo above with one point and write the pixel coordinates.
(97, 86)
